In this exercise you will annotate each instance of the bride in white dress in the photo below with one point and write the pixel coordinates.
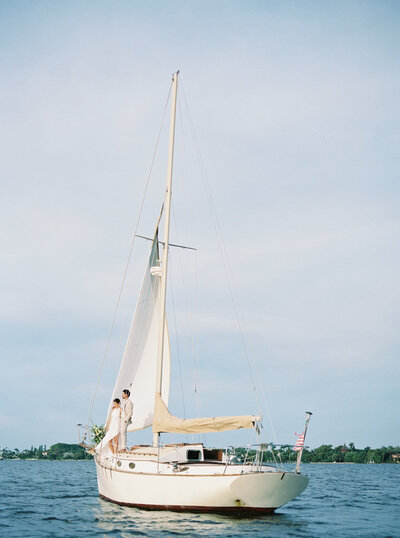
(113, 428)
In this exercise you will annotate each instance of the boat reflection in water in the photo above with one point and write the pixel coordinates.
(114, 519)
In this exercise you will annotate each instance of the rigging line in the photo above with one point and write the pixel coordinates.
(176, 332)
(268, 412)
(162, 243)
(188, 311)
(129, 255)
(189, 319)
(221, 243)
(274, 457)
(224, 258)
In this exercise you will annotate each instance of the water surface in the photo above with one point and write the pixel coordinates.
(60, 498)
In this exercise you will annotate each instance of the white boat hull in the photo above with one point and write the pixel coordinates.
(260, 492)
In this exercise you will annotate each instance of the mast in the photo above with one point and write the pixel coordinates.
(164, 263)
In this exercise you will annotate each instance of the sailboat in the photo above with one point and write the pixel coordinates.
(179, 477)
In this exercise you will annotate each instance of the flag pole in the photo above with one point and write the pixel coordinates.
(300, 453)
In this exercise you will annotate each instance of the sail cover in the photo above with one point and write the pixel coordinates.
(164, 422)
(139, 363)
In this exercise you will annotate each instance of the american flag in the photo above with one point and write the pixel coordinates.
(299, 443)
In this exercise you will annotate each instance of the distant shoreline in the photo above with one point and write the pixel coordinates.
(58, 452)
(267, 462)
(275, 454)
(45, 459)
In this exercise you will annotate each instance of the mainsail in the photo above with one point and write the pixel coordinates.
(139, 363)
(164, 422)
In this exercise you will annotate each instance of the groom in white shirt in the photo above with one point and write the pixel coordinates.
(126, 415)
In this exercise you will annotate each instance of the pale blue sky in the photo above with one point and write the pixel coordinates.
(296, 108)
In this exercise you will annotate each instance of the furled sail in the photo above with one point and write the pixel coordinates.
(164, 422)
(139, 363)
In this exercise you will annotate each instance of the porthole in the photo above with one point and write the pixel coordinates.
(119, 463)
(131, 465)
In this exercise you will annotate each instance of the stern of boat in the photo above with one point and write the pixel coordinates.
(267, 490)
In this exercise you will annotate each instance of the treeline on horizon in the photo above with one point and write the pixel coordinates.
(285, 454)
(59, 451)
(338, 454)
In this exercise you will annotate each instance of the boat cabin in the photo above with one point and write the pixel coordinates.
(179, 453)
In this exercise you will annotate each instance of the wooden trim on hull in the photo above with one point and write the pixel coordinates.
(230, 510)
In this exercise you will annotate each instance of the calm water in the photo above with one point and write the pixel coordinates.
(44, 498)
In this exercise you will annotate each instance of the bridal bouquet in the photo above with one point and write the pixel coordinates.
(98, 432)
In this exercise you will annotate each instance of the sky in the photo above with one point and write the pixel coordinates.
(292, 108)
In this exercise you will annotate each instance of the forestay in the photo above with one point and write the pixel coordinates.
(139, 363)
